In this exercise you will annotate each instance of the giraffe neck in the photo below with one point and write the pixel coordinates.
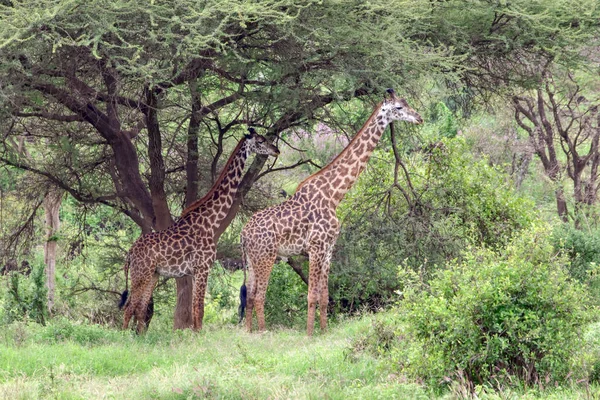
(336, 178)
(216, 203)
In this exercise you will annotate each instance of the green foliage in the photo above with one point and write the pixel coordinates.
(286, 302)
(453, 200)
(25, 297)
(514, 312)
(378, 338)
(222, 300)
(582, 247)
(64, 330)
(441, 115)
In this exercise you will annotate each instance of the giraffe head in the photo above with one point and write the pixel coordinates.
(395, 108)
(259, 144)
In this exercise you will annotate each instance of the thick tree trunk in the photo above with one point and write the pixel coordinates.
(51, 208)
(183, 309)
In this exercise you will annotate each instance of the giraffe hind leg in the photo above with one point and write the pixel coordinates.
(128, 313)
(258, 291)
(317, 263)
(141, 307)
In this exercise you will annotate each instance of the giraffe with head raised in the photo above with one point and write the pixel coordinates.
(306, 223)
(188, 246)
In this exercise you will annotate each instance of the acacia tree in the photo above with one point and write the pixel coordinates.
(116, 97)
(125, 101)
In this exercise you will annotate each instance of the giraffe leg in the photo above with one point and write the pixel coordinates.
(260, 272)
(128, 312)
(316, 259)
(131, 303)
(324, 292)
(200, 281)
(259, 305)
(198, 302)
(142, 305)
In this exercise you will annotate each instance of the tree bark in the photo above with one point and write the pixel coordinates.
(183, 309)
(51, 207)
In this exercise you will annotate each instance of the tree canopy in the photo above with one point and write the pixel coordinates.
(135, 104)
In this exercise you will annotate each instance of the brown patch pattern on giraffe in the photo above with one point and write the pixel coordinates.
(307, 224)
(188, 247)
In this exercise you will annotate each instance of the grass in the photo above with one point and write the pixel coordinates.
(82, 362)
(66, 360)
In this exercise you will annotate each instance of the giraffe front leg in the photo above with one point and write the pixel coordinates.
(324, 294)
(200, 281)
(316, 260)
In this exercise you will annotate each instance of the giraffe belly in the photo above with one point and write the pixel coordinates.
(176, 270)
(292, 247)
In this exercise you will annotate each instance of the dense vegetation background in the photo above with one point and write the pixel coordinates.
(469, 247)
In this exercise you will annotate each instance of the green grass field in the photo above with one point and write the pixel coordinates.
(65, 361)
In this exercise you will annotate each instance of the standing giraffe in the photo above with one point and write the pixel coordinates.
(307, 222)
(188, 247)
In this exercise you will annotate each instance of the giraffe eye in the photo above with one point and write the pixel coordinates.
(399, 108)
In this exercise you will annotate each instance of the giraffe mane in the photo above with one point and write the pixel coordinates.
(355, 138)
(214, 187)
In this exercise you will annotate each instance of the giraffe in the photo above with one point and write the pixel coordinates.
(306, 223)
(188, 247)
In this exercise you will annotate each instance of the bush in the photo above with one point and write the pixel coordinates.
(61, 330)
(514, 313)
(456, 201)
(25, 297)
(583, 250)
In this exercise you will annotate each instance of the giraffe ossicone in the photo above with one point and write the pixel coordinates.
(188, 246)
(306, 223)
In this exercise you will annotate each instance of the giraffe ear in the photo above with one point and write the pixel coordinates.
(251, 132)
(389, 93)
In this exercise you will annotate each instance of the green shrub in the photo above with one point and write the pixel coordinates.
(63, 330)
(582, 247)
(514, 312)
(456, 201)
(377, 338)
(25, 297)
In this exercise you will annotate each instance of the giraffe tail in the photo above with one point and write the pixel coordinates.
(242, 307)
(125, 294)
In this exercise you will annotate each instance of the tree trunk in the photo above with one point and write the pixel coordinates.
(183, 309)
(51, 208)
(561, 205)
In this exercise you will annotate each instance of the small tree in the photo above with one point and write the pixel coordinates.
(514, 312)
